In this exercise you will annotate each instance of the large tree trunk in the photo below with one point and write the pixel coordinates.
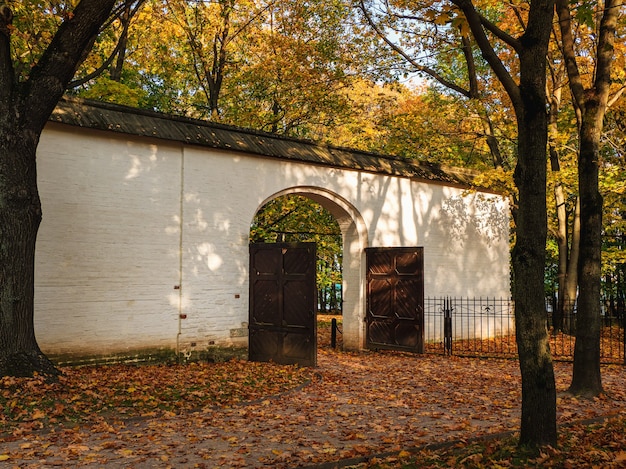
(538, 423)
(25, 106)
(20, 215)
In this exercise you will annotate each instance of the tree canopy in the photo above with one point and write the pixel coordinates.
(481, 84)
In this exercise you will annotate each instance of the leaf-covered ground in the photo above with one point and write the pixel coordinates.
(93, 394)
(600, 445)
(351, 407)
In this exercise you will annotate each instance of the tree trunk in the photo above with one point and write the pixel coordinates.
(562, 242)
(321, 294)
(591, 105)
(571, 278)
(567, 277)
(538, 423)
(25, 106)
(20, 215)
(586, 379)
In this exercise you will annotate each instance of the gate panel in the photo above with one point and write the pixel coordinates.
(395, 298)
(283, 302)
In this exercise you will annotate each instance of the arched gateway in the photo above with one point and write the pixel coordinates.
(144, 245)
(354, 236)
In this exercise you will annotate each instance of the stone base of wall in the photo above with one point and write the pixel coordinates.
(153, 356)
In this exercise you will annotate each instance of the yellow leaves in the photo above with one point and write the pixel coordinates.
(77, 448)
(438, 17)
(37, 414)
(4, 457)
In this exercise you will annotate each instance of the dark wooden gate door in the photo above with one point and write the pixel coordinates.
(395, 298)
(283, 303)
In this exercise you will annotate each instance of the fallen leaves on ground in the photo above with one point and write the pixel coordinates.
(601, 446)
(243, 414)
(124, 391)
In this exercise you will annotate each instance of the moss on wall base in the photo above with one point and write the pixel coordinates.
(213, 354)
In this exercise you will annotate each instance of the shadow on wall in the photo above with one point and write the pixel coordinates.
(472, 231)
(107, 253)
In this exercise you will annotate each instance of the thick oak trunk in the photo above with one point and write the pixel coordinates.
(25, 106)
(538, 423)
(20, 215)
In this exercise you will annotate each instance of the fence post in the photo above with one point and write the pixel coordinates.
(333, 332)
(447, 327)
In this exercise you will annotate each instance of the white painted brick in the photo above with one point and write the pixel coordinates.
(122, 214)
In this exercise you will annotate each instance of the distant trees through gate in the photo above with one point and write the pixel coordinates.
(297, 219)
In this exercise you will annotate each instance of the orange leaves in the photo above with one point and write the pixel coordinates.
(594, 447)
(86, 394)
(37, 414)
(241, 414)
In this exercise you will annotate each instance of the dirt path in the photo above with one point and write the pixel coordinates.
(356, 405)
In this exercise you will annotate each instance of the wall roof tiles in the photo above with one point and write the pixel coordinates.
(127, 120)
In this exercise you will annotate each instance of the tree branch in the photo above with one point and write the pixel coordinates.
(120, 43)
(499, 33)
(567, 49)
(420, 68)
(616, 96)
(56, 67)
(471, 65)
(606, 41)
(98, 71)
(475, 23)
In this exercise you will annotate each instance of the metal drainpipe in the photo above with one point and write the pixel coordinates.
(180, 253)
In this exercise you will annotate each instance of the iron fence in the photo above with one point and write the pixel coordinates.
(486, 327)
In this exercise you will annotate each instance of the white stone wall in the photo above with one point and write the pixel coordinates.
(144, 244)
(108, 245)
